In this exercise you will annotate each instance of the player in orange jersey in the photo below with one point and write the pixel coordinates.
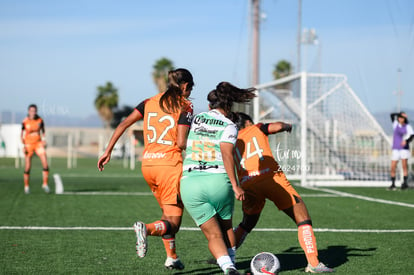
(167, 118)
(262, 178)
(33, 139)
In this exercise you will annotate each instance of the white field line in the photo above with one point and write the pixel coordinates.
(103, 193)
(109, 193)
(344, 194)
(86, 228)
(101, 175)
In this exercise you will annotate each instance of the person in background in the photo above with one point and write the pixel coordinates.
(34, 141)
(262, 178)
(403, 134)
(167, 117)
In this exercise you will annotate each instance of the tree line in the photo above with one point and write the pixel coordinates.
(107, 98)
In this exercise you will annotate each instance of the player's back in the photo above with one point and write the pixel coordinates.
(254, 154)
(208, 131)
(160, 135)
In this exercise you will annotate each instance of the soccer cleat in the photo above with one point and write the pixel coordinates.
(320, 268)
(171, 264)
(231, 271)
(141, 233)
(26, 190)
(391, 188)
(404, 186)
(45, 188)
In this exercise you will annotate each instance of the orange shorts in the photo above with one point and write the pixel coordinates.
(277, 189)
(164, 182)
(31, 148)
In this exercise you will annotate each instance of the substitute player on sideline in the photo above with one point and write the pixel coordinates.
(33, 139)
(262, 178)
(167, 117)
(209, 184)
(402, 136)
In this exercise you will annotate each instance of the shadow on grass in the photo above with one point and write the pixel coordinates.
(294, 258)
(290, 259)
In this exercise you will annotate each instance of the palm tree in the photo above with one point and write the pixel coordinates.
(106, 100)
(160, 73)
(282, 69)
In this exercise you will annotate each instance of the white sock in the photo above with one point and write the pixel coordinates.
(225, 262)
(232, 254)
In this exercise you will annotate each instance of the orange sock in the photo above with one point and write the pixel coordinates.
(308, 243)
(26, 177)
(45, 177)
(169, 245)
(157, 228)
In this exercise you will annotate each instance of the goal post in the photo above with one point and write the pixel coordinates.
(335, 140)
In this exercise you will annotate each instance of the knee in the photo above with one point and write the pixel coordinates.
(212, 235)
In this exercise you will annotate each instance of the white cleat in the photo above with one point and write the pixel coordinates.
(171, 264)
(46, 188)
(141, 233)
(320, 268)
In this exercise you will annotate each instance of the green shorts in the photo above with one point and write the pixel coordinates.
(205, 195)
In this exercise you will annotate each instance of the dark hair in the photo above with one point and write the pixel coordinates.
(173, 100)
(32, 106)
(240, 119)
(401, 114)
(226, 94)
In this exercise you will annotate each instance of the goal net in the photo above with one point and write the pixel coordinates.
(335, 140)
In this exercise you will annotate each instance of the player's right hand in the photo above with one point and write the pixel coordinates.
(104, 159)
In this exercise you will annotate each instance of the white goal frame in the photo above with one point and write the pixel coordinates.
(302, 105)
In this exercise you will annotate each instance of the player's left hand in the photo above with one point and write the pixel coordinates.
(288, 127)
(239, 193)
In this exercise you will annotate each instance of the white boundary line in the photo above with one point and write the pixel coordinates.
(101, 176)
(344, 194)
(87, 228)
(109, 193)
(103, 193)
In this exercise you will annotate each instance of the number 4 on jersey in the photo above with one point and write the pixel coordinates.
(249, 153)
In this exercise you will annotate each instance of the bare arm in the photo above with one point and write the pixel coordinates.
(42, 133)
(22, 136)
(228, 160)
(393, 116)
(278, 127)
(182, 133)
(132, 118)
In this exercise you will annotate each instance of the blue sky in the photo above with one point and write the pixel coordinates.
(55, 53)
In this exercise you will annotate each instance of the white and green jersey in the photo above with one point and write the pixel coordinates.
(203, 154)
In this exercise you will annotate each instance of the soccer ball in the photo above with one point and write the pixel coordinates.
(265, 263)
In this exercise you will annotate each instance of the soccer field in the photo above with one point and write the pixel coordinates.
(88, 228)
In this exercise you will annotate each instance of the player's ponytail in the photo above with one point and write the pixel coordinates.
(226, 94)
(173, 100)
